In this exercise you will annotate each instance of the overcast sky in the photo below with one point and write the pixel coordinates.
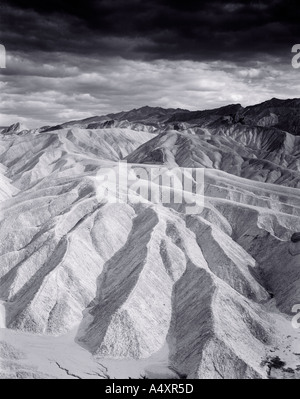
(66, 61)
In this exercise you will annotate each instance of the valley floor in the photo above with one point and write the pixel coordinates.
(24, 355)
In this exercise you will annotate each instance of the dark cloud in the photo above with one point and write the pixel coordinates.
(153, 29)
(61, 90)
(69, 60)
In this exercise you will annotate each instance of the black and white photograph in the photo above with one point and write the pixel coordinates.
(149, 192)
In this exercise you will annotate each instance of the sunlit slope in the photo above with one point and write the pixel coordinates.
(128, 279)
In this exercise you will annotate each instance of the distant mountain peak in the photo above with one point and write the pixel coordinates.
(14, 128)
(280, 113)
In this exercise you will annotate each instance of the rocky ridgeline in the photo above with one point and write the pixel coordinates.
(128, 280)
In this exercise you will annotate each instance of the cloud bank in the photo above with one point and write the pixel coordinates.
(68, 62)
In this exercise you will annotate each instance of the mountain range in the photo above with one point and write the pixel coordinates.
(93, 286)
